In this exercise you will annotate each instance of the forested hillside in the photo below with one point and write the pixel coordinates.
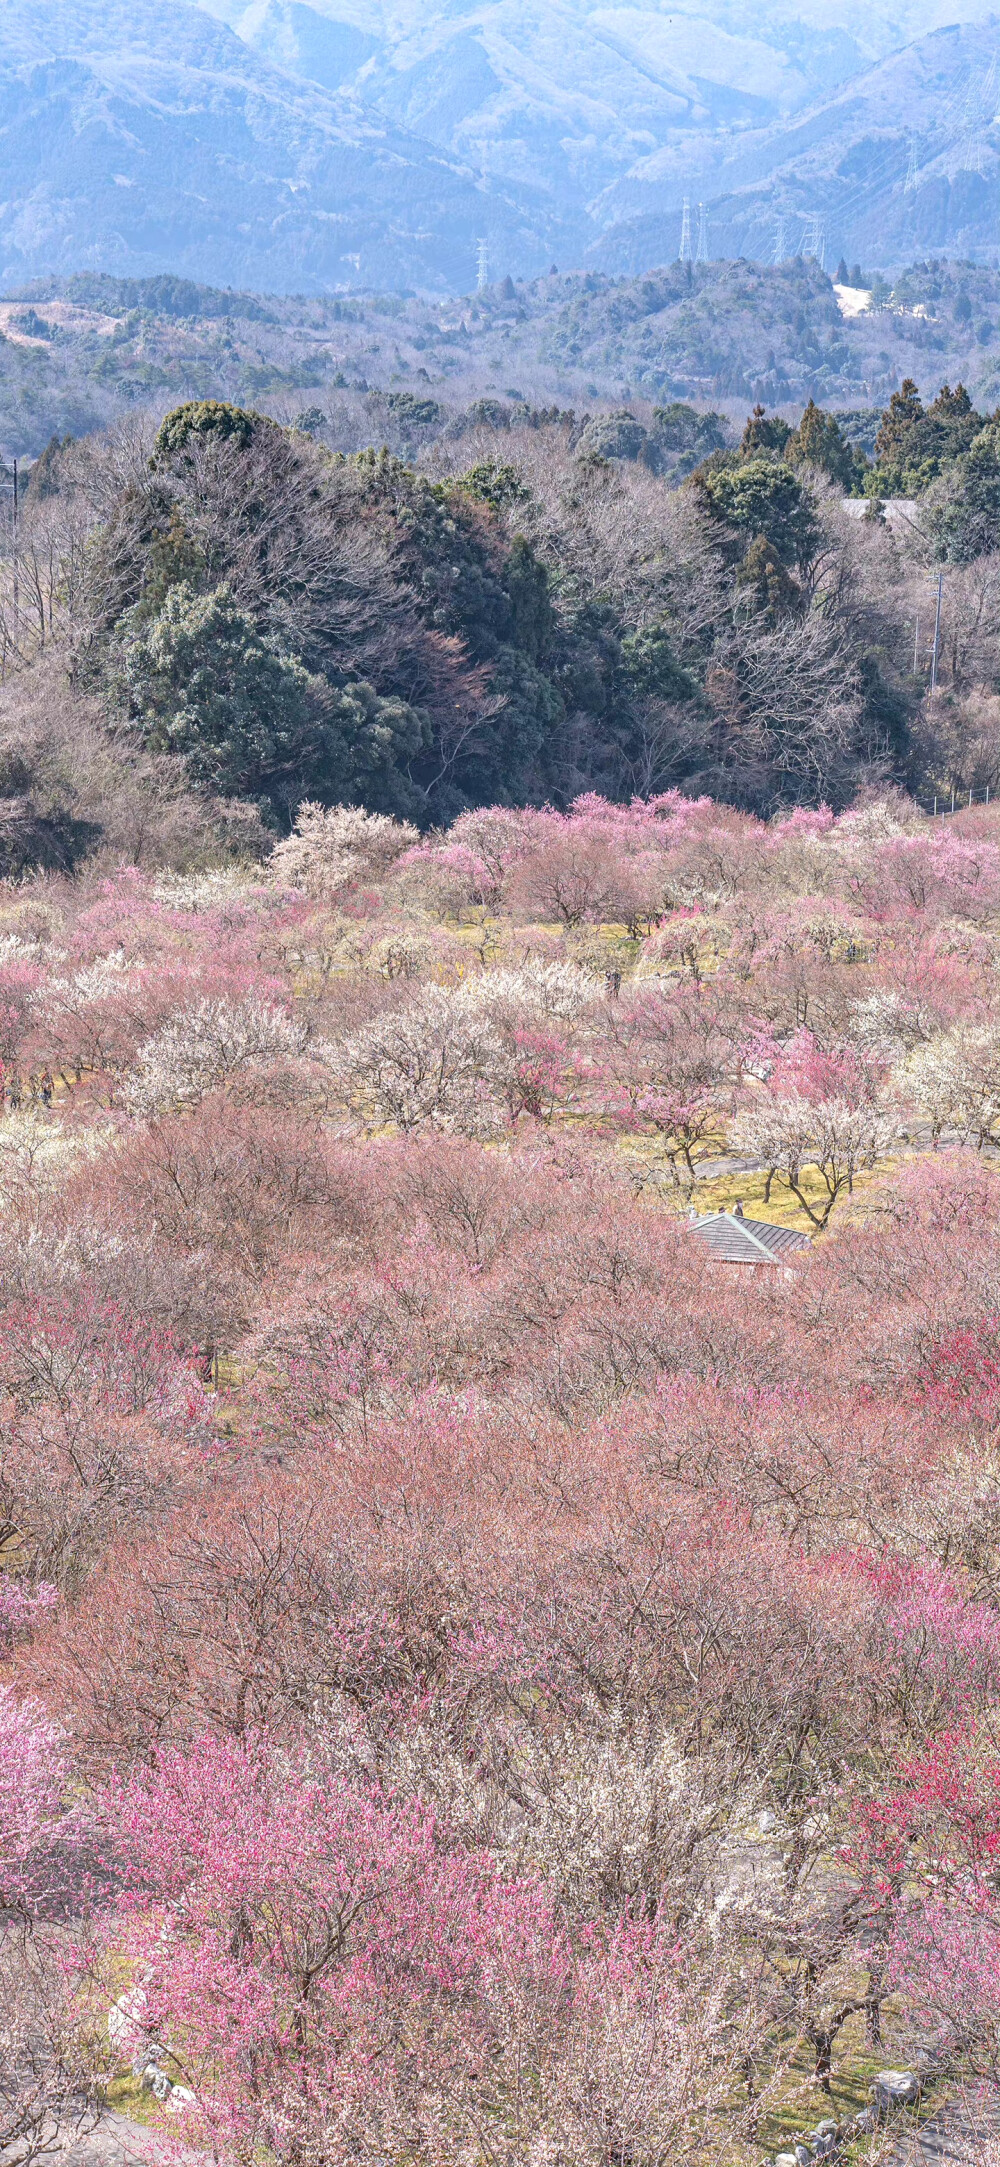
(78, 353)
(544, 607)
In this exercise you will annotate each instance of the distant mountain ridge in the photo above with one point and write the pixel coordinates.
(572, 92)
(149, 137)
(334, 145)
(902, 162)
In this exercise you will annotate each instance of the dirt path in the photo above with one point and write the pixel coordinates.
(953, 2137)
(118, 2142)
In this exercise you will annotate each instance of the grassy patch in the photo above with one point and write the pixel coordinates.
(129, 2096)
(783, 1209)
(800, 2104)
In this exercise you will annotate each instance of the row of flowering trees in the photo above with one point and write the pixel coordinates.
(478, 1680)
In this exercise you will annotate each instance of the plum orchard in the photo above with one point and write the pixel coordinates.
(484, 1681)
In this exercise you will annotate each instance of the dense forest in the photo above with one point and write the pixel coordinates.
(231, 615)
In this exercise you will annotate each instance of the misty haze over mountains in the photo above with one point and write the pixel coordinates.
(352, 144)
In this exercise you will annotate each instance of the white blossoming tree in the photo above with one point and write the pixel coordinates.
(203, 1046)
(439, 1062)
(954, 1083)
(329, 850)
(790, 1133)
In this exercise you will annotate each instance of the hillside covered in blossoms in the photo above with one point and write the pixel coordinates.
(483, 1679)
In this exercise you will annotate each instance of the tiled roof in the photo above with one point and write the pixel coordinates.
(736, 1240)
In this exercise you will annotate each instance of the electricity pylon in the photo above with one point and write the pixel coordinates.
(814, 241)
(684, 252)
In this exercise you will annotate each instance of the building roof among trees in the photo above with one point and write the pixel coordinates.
(736, 1240)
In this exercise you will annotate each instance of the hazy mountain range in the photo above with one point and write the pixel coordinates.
(376, 143)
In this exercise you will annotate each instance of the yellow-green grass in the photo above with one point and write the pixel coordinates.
(129, 2096)
(783, 1207)
(800, 2103)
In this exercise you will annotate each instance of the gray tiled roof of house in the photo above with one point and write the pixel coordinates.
(735, 1240)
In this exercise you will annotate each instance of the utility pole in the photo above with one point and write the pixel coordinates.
(937, 632)
(483, 267)
(684, 253)
(702, 255)
(916, 645)
(17, 593)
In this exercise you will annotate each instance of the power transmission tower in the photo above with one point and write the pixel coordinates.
(702, 255)
(684, 253)
(814, 241)
(780, 250)
(483, 267)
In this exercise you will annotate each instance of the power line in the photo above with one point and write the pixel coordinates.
(979, 114)
(952, 128)
(988, 91)
(969, 119)
(17, 598)
(951, 131)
